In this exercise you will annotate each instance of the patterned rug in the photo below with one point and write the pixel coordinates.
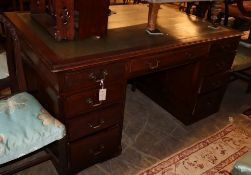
(214, 155)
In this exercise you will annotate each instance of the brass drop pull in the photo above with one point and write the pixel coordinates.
(155, 65)
(223, 47)
(92, 76)
(188, 55)
(216, 84)
(101, 122)
(98, 150)
(227, 47)
(91, 102)
(220, 65)
(104, 73)
(98, 78)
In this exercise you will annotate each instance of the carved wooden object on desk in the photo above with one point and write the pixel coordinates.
(71, 19)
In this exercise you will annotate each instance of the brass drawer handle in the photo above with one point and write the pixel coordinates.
(101, 122)
(188, 55)
(154, 66)
(223, 47)
(91, 102)
(220, 65)
(98, 150)
(216, 84)
(94, 77)
(227, 47)
(104, 73)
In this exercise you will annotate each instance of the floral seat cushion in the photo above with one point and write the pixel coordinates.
(25, 126)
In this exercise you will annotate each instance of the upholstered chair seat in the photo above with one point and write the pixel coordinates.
(25, 126)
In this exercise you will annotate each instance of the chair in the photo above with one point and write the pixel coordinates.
(241, 11)
(200, 9)
(25, 126)
(242, 165)
(241, 68)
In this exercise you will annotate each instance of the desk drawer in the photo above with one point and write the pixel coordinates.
(209, 103)
(213, 82)
(89, 77)
(226, 46)
(220, 63)
(93, 149)
(83, 102)
(168, 59)
(94, 121)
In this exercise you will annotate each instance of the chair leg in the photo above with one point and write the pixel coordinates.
(25, 165)
(189, 6)
(226, 13)
(63, 168)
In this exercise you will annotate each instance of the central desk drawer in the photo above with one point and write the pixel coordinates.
(89, 77)
(94, 121)
(83, 102)
(226, 46)
(168, 59)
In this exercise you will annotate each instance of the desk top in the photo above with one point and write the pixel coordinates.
(126, 37)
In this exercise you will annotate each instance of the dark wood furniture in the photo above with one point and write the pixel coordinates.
(185, 71)
(241, 11)
(71, 19)
(14, 5)
(7, 5)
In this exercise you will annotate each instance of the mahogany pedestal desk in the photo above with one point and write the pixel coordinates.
(186, 72)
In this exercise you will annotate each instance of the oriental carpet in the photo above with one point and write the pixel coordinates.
(215, 155)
